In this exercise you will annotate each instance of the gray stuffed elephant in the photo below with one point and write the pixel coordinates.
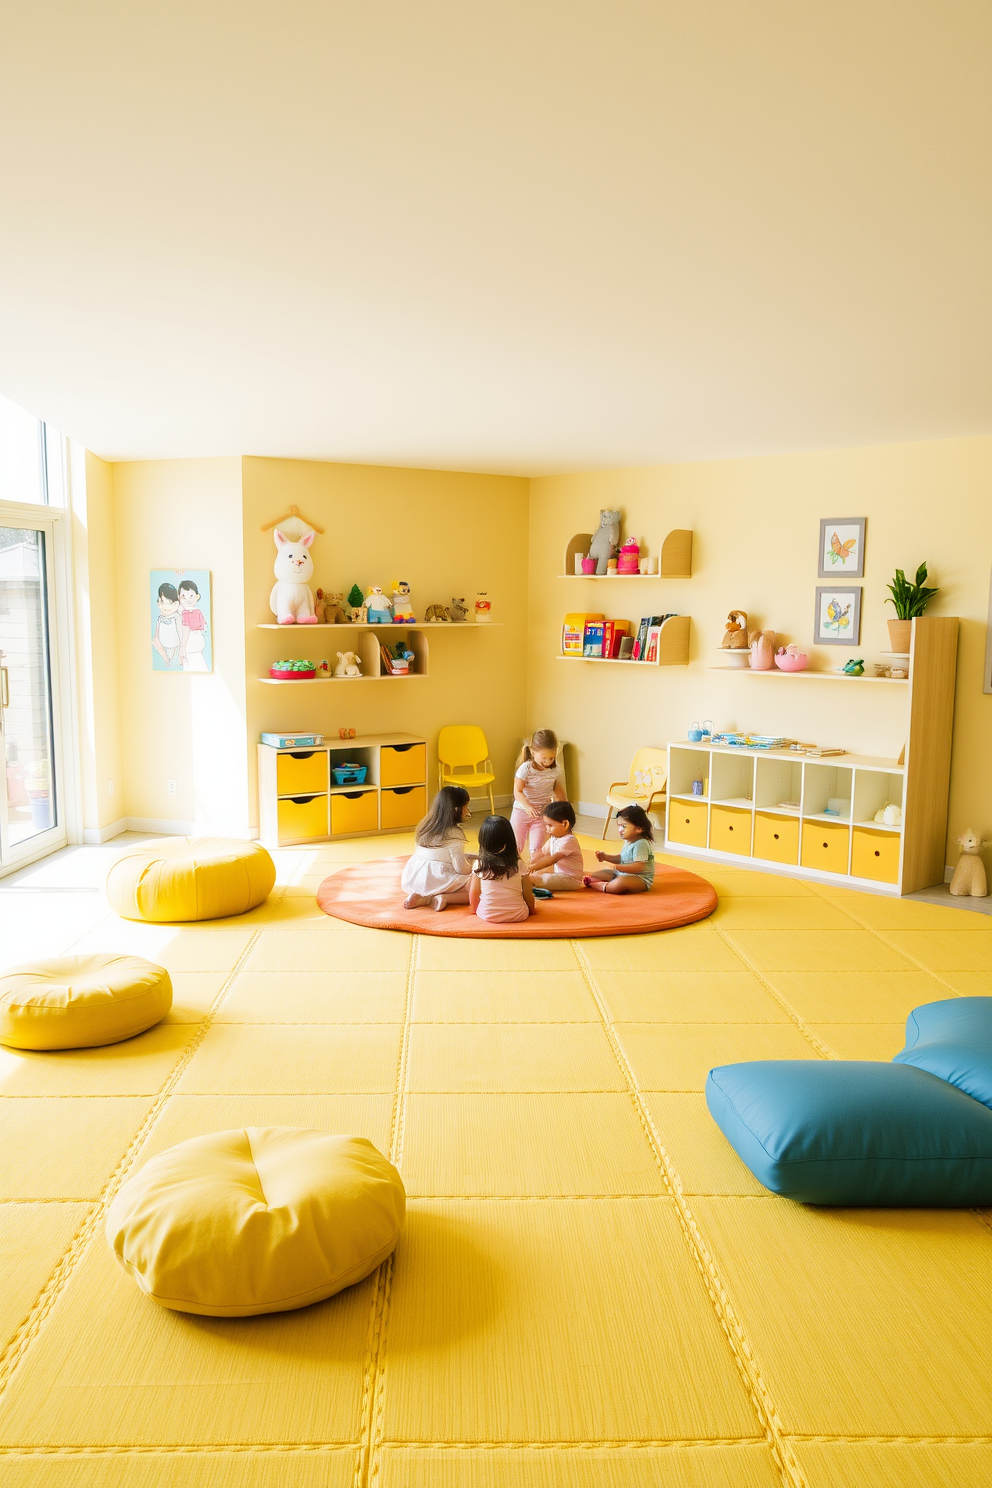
(606, 542)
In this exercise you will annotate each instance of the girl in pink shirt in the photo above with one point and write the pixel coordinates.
(498, 891)
(558, 865)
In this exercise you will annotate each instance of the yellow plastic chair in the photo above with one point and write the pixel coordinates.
(646, 785)
(463, 759)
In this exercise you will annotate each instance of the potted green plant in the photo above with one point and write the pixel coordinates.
(910, 600)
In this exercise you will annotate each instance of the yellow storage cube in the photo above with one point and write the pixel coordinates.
(402, 764)
(403, 807)
(776, 838)
(687, 822)
(875, 855)
(354, 811)
(730, 830)
(300, 773)
(825, 845)
(302, 817)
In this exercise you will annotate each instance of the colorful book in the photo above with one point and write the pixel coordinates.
(592, 641)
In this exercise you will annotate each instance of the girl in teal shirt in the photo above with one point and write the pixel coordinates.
(634, 871)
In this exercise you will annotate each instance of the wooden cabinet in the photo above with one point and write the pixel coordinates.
(299, 800)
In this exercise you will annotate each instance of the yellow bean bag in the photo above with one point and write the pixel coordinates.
(79, 1002)
(190, 878)
(265, 1219)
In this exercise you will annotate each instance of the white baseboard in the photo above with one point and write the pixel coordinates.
(590, 808)
(162, 826)
(93, 836)
(481, 803)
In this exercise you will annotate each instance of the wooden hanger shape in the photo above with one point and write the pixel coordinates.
(294, 511)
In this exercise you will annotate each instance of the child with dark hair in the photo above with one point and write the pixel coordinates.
(438, 871)
(634, 870)
(166, 638)
(557, 867)
(498, 891)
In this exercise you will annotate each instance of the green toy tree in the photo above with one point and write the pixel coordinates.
(355, 597)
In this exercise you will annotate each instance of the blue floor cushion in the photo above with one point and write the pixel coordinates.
(856, 1133)
(953, 1039)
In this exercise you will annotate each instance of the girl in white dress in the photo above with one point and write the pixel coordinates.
(438, 872)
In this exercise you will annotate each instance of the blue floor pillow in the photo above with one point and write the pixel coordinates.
(953, 1040)
(856, 1133)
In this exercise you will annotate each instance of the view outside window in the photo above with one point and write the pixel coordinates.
(31, 461)
(25, 693)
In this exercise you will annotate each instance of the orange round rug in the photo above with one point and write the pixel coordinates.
(370, 894)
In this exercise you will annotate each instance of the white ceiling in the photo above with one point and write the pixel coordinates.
(505, 235)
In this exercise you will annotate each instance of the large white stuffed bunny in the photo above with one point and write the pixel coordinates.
(291, 600)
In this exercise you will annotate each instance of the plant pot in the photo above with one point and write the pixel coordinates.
(41, 811)
(900, 635)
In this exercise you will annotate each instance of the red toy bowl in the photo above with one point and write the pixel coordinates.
(287, 676)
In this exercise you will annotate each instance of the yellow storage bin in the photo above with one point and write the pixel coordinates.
(825, 845)
(402, 764)
(776, 838)
(687, 823)
(301, 772)
(354, 811)
(302, 817)
(403, 807)
(730, 830)
(875, 855)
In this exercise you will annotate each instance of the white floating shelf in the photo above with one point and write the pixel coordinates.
(819, 676)
(308, 681)
(399, 625)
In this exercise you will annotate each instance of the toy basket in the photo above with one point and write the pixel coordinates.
(294, 673)
(349, 774)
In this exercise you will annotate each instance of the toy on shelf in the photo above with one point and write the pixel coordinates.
(397, 658)
(319, 607)
(356, 601)
(333, 608)
(348, 665)
(402, 603)
(291, 600)
(379, 607)
(292, 741)
(458, 611)
(324, 668)
(762, 648)
(588, 564)
(483, 606)
(348, 773)
(969, 876)
(791, 659)
(292, 671)
(735, 632)
(346, 733)
(437, 615)
(888, 815)
(853, 669)
(605, 541)
(628, 559)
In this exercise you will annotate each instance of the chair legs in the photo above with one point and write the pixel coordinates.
(609, 817)
(492, 801)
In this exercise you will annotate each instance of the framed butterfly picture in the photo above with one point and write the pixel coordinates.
(842, 548)
(838, 616)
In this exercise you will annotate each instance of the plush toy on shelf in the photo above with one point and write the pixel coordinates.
(402, 603)
(735, 632)
(606, 540)
(291, 600)
(437, 615)
(458, 611)
(348, 665)
(969, 876)
(329, 608)
(379, 607)
(762, 647)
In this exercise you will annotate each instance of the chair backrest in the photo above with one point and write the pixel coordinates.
(649, 770)
(462, 744)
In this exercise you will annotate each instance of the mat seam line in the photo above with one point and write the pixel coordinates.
(824, 1050)
(740, 1347)
(30, 1325)
(879, 935)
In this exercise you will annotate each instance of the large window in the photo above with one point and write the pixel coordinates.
(31, 458)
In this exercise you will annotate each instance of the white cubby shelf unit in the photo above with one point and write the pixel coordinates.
(815, 817)
(366, 647)
(299, 800)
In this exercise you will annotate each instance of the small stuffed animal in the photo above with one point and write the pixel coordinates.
(436, 613)
(402, 605)
(969, 876)
(334, 610)
(606, 542)
(291, 600)
(347, 665)
(319, 607)
(735, 632)
(379, 607)
(458, 611)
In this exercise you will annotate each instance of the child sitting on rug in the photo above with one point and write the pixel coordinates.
(634, 872)
(438, 872)
(537, 781)
(558, 865)
(498, 891)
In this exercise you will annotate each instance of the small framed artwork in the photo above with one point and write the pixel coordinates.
(180, 620)
(838, 616)
(842, 548)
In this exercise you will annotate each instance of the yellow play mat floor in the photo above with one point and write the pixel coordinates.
(590, 1292)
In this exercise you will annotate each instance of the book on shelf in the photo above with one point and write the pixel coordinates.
(648, 624)
(592, 640)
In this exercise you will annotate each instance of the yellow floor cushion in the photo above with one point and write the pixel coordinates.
(79, 1002)
(190, 878)
(263, 1219)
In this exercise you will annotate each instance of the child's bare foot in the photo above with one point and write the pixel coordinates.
(415, 901)
(439, 902)
(594, 883)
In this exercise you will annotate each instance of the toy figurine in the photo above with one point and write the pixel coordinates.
(437, 614)
(355, 597)
(402, 604)
(319, 607)
(346, 733)
(735, 632)
(969, 876)
(348, 665)
(379, 607)
(291, 600)
(854, 669)
(360, 615)
(629, 557)
(458, 612)
(762, 646)
(606, 540)
(482, 608)
(333, 606)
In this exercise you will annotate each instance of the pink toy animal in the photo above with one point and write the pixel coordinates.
(791, 659)
(762, 650)
(291, 600)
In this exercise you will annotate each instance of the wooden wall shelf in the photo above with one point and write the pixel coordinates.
(411, 625)
(818, 676)
(676, 558)
(673, 648)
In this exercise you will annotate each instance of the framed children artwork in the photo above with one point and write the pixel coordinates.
(842, 548)
(180, 620)
(838, 616)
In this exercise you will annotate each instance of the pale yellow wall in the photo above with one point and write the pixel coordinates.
(756, 524)
(191, 728)
(94, 559)
(447, 534)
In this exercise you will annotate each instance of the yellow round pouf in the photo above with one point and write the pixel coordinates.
(190, 878)
(263, 1219)
(80, 1002)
